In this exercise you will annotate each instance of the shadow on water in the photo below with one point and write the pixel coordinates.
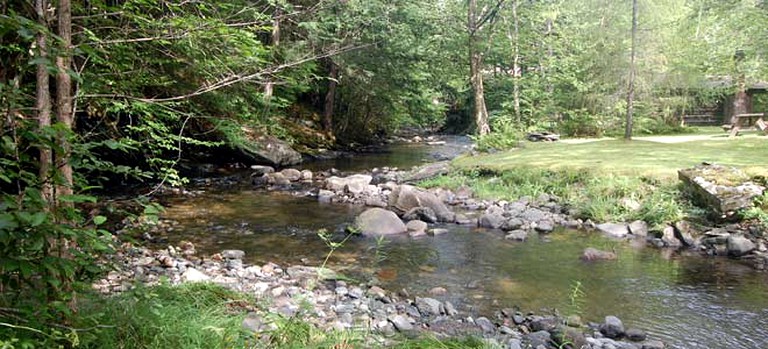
(688, 301)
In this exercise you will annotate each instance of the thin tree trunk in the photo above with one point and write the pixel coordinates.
(330, 97)
(480, 112)
(516, 63)
(631, 91)
(270, 86)
(65, 114)
(43, 99)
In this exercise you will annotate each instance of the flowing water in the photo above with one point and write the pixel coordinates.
(686, 300)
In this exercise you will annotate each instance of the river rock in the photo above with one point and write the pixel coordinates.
(684, 233)
(416, 228)
(517, 235)
(194, 275)
(325, 196)
(260, 170)
(565, 336)
(401, 323)
(486, 325)
(428, 306)
(267, 149)
(437, 231)
(593, 254)
(233, 254)
(739, 245)
(545, 226)
(539, 338)
(636, 335)
(652, 344)
(291, 174)
(668, 237)
(612, 327)
(357, 183)
(614, 230)
(277, 178)
(513, 223)
(378, 221)
(421, 213)
(638, 228)
(306, 175)
(405, 197)
(493, 218)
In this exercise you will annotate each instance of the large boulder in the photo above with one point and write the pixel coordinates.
(378, 221)
(493, 218)
(723, 189)
(739, 245)
(406, 197)
(267, 150)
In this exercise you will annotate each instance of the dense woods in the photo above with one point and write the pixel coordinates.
(95, 92)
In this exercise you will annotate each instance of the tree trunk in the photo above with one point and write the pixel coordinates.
(43, 99)
(740, 103)
(631, 90)
(65, 114)
(330, 97)
(480, 113)
(270, 86)
(517, 73)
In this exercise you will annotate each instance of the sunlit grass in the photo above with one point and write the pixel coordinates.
(638, 157)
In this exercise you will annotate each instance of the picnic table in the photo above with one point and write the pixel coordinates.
(746, 120)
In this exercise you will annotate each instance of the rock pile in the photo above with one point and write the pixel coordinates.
(320, 297)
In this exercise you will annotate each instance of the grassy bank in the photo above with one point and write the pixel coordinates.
(189, 316)
(606, 180)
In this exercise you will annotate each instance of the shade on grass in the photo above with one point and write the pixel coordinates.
(635, 157)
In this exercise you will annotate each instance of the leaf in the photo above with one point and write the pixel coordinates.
(99, 220)
(77, 198)
(38, 218)
(7, 222)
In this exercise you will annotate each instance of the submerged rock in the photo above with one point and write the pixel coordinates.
(593, 254)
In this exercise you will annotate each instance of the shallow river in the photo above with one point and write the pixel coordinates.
(687, 301)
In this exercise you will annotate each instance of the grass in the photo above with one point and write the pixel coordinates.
(636, 158)
(192, 316)
(606, 180)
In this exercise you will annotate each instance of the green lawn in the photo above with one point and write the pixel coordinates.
(638, 157)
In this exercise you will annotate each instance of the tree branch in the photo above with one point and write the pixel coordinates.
(232, 79)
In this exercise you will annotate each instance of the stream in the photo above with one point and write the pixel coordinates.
(685, 300)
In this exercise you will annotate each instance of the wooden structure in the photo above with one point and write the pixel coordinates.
(746, 120)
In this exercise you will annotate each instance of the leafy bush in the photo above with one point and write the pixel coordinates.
(582, 123)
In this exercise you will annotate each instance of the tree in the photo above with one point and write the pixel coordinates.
(631, 89)
(64, 99)
(476, 22)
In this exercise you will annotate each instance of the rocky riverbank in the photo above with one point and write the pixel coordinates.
(403, 208)
(327, 300)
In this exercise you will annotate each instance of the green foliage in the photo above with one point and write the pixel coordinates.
(190, 316)
(435, 343)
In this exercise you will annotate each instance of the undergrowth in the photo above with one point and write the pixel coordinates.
(194, 316)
